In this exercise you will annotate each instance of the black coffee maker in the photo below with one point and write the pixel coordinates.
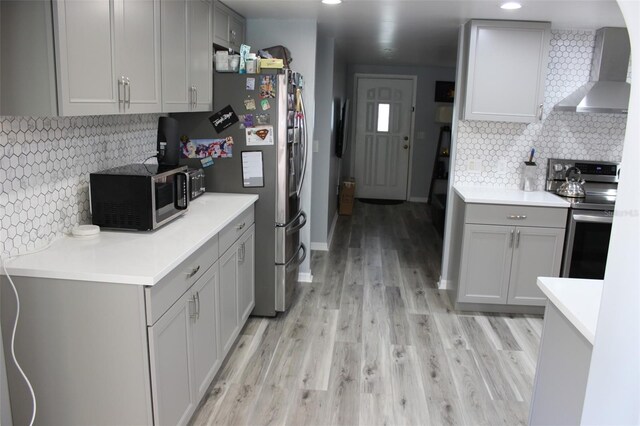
(168, 142)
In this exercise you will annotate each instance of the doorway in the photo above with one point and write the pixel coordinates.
(383, 135)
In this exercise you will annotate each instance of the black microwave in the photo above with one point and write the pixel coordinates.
(138, 196)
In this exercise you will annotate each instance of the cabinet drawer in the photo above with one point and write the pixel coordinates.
(235, 229)
(493, 214)
(161, 296)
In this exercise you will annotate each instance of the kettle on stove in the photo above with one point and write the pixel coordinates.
(573, 186)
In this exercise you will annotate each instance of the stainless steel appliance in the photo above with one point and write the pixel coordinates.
(590, 217)
(279, 217)
(138, 196)
(196, 183)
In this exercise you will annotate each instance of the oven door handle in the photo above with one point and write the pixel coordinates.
(593, 217)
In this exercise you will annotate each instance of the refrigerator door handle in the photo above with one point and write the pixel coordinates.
(297, 259)
(304, 146)
(301, 218)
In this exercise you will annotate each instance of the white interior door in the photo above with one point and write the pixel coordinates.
(383, 137)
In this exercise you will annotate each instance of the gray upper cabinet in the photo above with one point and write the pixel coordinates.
(228, 27)
(108, 56)
(505, 69)
(186, 55)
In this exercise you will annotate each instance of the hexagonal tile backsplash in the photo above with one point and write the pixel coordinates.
(44, 170)
(558, 135)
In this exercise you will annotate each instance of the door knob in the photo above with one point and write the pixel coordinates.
(405, 146)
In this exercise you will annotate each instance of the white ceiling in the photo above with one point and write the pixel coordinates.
(421, 32)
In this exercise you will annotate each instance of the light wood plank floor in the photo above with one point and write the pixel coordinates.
(373, 342)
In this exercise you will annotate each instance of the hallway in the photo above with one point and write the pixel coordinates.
(372, 341)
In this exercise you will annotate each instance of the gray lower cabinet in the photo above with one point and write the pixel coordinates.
(172, 364)
(500, 262)
(229, 324)
(184, 351)
(246, 274)
(237, 287)
(128, 354)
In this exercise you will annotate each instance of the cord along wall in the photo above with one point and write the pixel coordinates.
(44, 170)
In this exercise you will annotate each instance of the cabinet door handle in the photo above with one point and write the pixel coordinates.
(511, 239)
(195, 103)
(193, 272)
(127, 93)
(517, 216)
(195, 312)
(540, 111)
(241, 253)
(197, 304)
(239, 227)
(517, 238)
(121, 94)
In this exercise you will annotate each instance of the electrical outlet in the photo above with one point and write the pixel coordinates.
(474, 165)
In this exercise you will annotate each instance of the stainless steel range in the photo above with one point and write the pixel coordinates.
(590, 217)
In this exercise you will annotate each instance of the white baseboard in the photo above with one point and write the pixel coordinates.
(305, 277)
(418, 199)
(333, 228)
(443, 284)
(319, 246)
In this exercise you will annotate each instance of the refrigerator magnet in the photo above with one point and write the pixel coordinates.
(267, 87)
(250, 104)
(265, 104)
(251, 83)
(260, 135)
(263, 119)
(223, 119)
(246, 120)
(252, 169)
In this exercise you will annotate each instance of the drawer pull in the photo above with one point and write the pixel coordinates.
(517, 216)
(193, 272)
(239, 227)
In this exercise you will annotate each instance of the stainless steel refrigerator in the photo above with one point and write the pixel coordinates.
(279, 216)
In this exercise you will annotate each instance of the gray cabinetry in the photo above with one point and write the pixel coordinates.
(186, 55)
(147, 354)
(500, 261)
(229, 325)
(184, 351)
(486, 259)
(172, 364)
(537, 253)
(228, 27)
(505, 68)
(246, 274)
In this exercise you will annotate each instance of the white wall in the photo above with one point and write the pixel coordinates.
(331, 73)
(426, 132)
(322, 138)
(299, 35)
(613, 389)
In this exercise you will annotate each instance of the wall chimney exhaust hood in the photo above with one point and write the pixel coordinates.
(608, 90)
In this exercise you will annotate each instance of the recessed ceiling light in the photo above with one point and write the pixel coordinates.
(511, 5)
(331, 1)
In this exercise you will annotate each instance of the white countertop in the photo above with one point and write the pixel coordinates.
(577, 299)
(514, 197)
(130, 257)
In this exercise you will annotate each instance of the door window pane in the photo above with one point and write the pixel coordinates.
(383, 117)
